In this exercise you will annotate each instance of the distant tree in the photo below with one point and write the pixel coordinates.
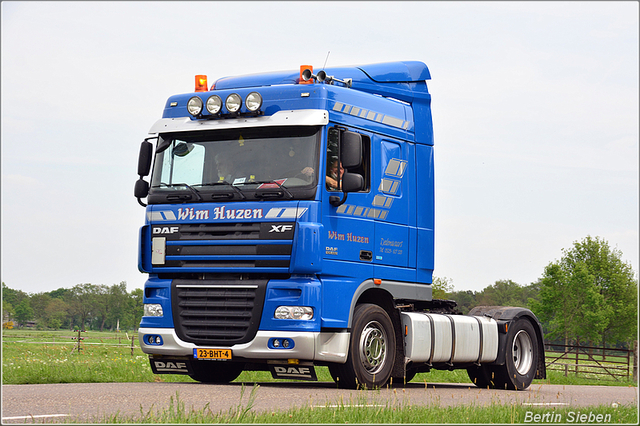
(508, 293)
(615, 281)
(13, 296)
(136, 306)
(441, 287)
(101, 305)
(8, 312)
(39, 304)
(502, 293)
(117, 299)
(466, 300)
(56, 313)
(81, 302)
(589, 294)
(24, 312)
(59, 293)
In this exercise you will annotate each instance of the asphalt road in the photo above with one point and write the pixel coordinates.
(91, 402)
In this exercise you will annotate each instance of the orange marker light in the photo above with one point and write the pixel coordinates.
(302, 69)
(201, 83)
(377, 281)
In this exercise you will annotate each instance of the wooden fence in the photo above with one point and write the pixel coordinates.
(587, 360)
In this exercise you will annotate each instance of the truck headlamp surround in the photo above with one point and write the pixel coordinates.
(253, 101)
(214, 104)
(194, 106)
(294, 312)
(153, 310)
(233, 103)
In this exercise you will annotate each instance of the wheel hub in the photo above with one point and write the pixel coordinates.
(522, 351)
(373, 345)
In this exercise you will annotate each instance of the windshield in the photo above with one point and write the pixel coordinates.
(236, 164)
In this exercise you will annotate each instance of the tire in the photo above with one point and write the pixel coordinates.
(372, 350)
(482, 376)
(409, 375)
(215, 372)
(521, 357)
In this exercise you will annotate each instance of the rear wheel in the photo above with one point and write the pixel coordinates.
(521, 357)
(482, 376)
(372, 350)
(215, 372)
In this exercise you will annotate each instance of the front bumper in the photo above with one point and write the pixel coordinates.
(309, 346)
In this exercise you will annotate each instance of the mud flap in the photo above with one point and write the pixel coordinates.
(170, 366)
(293, 371)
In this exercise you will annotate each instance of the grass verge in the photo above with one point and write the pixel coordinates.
(363, 411)
(34, 357)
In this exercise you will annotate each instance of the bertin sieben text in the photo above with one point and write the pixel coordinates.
(571, 417)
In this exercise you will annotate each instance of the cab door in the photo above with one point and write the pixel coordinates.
(391, 200)
(348, 228)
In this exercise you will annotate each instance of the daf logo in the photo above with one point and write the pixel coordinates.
(170, 366)
(166, 230)
(281, 228)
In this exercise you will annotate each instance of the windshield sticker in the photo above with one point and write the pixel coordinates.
(276, 184)
(222, 212)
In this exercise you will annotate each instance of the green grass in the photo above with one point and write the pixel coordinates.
(49, 357)
(363, 410)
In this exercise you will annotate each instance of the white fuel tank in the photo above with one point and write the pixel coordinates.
(436, 338)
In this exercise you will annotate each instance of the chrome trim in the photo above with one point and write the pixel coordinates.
(308, 345)
(303, 117)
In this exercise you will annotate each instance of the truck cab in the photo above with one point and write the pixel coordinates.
(290, 223)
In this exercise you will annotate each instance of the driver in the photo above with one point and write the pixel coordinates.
(228, 169)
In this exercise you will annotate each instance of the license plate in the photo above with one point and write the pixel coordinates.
(211, 353)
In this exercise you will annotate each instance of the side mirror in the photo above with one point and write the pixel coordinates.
(144, 158)
(352, 182)
(141, 190)
(351, 149)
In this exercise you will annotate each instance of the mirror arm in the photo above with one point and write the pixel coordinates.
(141, 202)
(335, 201)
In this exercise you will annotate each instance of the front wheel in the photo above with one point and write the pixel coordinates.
(372, 350)
(521, 357)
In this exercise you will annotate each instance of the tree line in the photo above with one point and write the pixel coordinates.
(84, 306)
(588, 296)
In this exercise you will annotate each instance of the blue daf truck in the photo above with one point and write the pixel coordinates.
(290, 224)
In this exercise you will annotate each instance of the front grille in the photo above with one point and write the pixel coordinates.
(222, 247)
(217, 312)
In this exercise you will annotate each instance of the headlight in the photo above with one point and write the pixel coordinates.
(233, 102)
(294, 312)
(214, 104)
(153, 310)
(253, 101)
(194, 106)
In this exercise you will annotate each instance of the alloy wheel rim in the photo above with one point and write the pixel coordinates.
(373, 347)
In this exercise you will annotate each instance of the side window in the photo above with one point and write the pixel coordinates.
(334, 171)
(184, 164)
(334, 167)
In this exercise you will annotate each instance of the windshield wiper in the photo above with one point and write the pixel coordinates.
(191, 188)
(224, 182)
(267, 194)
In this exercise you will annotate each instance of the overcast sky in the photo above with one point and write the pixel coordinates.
(535, 110)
